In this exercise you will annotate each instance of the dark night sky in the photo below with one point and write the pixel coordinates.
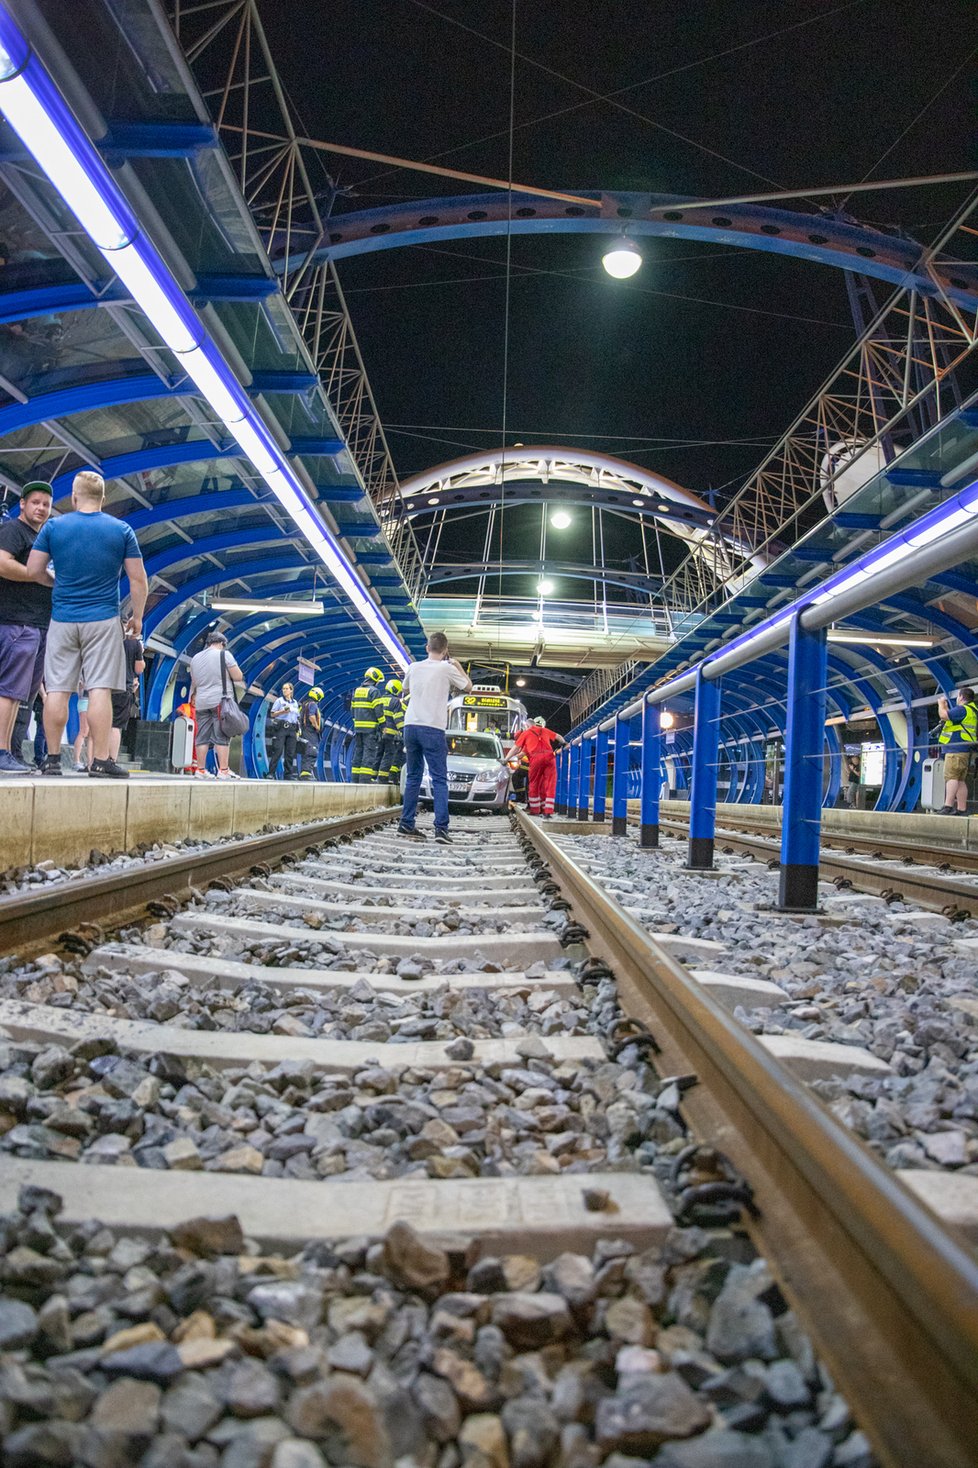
(629, 364)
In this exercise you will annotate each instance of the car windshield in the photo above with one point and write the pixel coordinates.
(474, 746)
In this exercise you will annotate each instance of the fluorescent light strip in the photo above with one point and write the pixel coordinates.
(49, 131)
(880, 639)
(276, 608)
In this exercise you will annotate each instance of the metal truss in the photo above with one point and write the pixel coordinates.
(226, 45)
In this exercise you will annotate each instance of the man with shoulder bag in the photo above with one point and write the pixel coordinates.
(216, 682)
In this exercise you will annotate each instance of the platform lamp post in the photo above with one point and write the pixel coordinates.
(619, 779)
(703, 796)
(801, 819)
(651, 775)
(602, 745)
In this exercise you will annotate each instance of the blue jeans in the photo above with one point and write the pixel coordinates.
(424, 745)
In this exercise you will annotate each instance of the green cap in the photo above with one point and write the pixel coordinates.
(34, 484)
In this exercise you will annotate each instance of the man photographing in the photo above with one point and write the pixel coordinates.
(428, 686)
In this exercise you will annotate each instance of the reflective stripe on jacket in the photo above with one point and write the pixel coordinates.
(366, 706)
(961, 731)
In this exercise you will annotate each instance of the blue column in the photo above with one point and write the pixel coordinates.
(602, 744)
(584, 780)
(573, 778)
(651, 775)
(619, 780)
(801, 820)
(561, 782)
(703, 795)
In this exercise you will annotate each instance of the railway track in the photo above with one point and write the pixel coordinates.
(344, 1031)
(893, 869)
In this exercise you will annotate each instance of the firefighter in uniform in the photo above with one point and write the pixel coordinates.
(958, 738)
(310, 733)
(392, 742)
(365, 706)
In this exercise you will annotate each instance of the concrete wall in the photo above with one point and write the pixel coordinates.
(62, 820)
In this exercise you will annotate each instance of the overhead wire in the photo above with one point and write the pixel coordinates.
(594, 96)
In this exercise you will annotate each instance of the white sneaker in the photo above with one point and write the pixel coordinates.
(227, 775)
(203, 775)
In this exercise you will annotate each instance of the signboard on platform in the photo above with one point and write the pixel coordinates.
(306, 670)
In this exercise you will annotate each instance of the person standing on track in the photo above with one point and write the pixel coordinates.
(958, 738)
(537, 742)
(90, 551)
(427, 687)
(366, 705)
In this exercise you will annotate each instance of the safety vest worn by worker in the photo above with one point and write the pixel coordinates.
(967, 727)
(366, 707)
(392, 714)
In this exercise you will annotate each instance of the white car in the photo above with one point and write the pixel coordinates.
(478, 776)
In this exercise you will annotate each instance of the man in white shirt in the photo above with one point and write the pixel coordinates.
(427, 688)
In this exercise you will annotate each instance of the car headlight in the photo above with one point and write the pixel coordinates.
(486, 779)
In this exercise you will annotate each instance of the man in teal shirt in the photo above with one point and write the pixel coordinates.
(89, 551)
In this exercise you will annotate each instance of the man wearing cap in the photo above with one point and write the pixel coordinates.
(25, 612)
(208, 684)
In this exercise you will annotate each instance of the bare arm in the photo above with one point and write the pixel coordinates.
(236, 676)
(458, 666)
(138, 590)
(36, 568)
(12, 570)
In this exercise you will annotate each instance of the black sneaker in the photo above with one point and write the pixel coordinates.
(946, 810)
(410, 831)
(107, 769)
(51, 765)
(443, 838)
(959, 812)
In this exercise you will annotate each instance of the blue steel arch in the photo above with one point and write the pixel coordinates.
(838, 240)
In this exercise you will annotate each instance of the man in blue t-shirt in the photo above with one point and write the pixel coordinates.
(89, 551)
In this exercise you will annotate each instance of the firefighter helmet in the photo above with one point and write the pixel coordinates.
(316, 693)
(394, 685)
(373, 675)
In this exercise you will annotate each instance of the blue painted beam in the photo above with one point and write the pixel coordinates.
(651, 775)
(916, 478)
(327, 447)
(850, 520)
(247, 288)
(619, 778)
(600, 800)
(51, 300)
(126, 139)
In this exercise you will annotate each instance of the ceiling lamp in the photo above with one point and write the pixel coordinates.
(622, 259)
(880, 639)
(560, 519)
(277, 608)
(521, 682)
(545, 587)
(666, 719)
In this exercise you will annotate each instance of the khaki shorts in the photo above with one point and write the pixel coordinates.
(956, 765)
(91, 653)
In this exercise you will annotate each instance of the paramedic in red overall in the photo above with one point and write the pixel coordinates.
(537, 743)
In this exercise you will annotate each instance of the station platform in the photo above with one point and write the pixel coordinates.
(64, 820)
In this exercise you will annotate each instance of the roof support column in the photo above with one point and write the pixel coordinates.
(619, 779)
(706, 754)
(801, 819)
(583, 780)
(599, 803)
(651, 775)
(563, 780)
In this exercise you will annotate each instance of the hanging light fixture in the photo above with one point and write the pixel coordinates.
(622, 259)
(545, 587)
(560, 519)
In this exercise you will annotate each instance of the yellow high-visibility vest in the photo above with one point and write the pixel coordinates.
(967, 727)
(365, 706)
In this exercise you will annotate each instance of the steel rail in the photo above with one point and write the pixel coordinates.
(934, 892)
(37, 917)
(888, 1294)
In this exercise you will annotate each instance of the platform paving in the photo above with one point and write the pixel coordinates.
(541, 1216)
(226, 1049)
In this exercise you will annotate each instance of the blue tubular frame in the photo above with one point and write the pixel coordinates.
(706, 748)
(651, 776)
(584, 780)
(619, 778)
(804, 738)
(836, 242)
